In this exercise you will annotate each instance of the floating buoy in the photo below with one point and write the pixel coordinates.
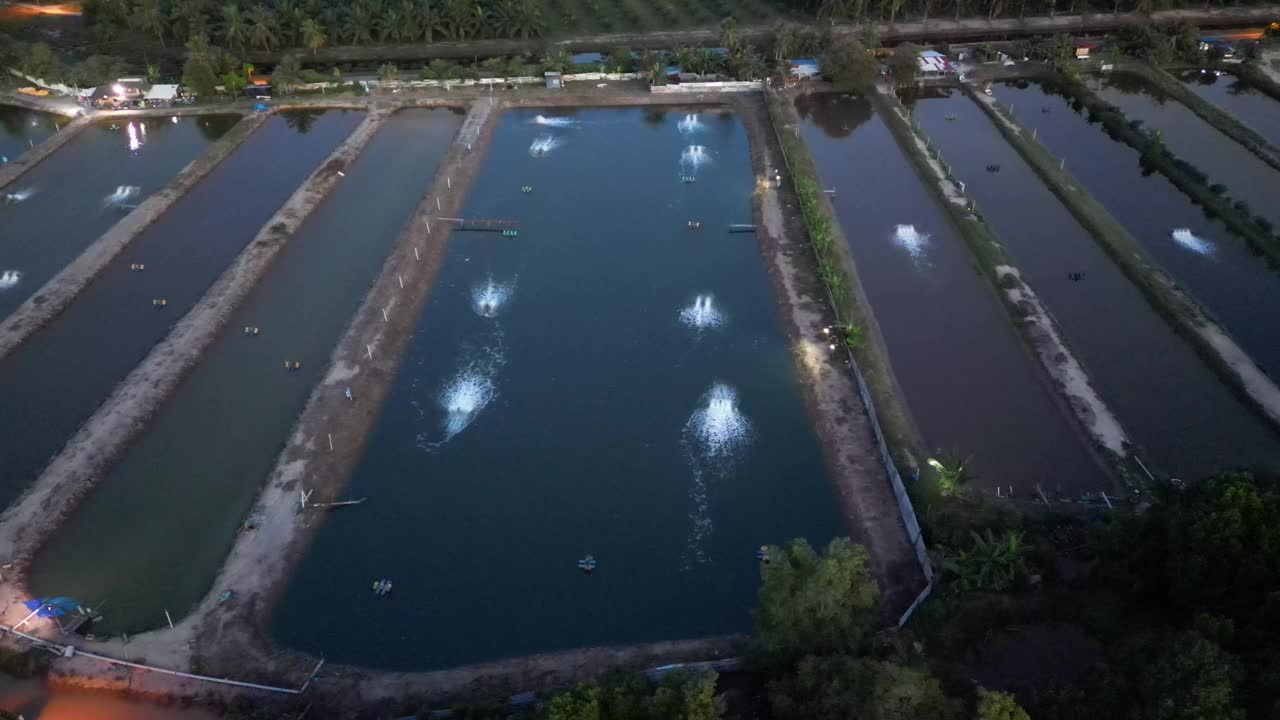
(526, 188)
(1075, 276)
(694, 225)
(296, 365)
(587, 564)
(381, 587)
(137, 266)
(688, 179)
(286, 364)
(159, 302)
(993, 168)
(510, 233)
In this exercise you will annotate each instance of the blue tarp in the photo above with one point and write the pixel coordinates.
(51, 607)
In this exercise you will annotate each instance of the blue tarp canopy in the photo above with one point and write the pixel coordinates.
(51, 607)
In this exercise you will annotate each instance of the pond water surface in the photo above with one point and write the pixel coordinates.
(1254, 108)
(88, 185)
(968, 378)
(151, 543)
(21, 129)
(607, 383)
(59, 376)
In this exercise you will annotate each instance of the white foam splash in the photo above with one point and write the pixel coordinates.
(19, 196)
(690, 124)
(544, 145)
(554, 121)
(463, 399)
(907, 238)
(122, 194)
(1190, 241)
(702, 314)
(717, 426)
(487, 299)
(695, 156)
(9, 279)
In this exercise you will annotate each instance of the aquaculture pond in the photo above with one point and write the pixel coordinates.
(1177, 411)
(1189, 137)
(59, 207)
(609, 383)
(1254, 108)
(151, 544)
(22, 129)
(55, 380)
(1200, 254)
(968, 378)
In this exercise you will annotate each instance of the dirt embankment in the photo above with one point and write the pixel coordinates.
(26, 524)
(61, 289)
(14, 169)
(842, 422)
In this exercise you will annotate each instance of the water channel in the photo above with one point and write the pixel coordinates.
(1182, 418)
(1251, 106)
(608, 383)
(55, 380)
(969, 379)
(1189, 137)
(153, 534)
(22, 129)
(89, 184)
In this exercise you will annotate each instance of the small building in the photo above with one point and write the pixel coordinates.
(1225, 50)
(803, 69)
(1085, 48)
(123, 93)
(555, 80)
(932, 64)
(161, 96)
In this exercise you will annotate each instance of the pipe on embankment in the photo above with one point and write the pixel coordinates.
(60, 290)
(329, 436)
(1212, 342)
(1034, 322)
(28, 523)
(29, 159)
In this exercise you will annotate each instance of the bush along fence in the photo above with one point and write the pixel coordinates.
(1153, 155)
(852, 310)
(1178, 308)
(1036, 325)
(1225, 122)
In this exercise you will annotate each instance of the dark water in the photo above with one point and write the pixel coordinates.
(20, 129)
(68, 208)
(583, 393)
(1183, 419)
(968, 378)
(149, 543)
(61, 374)
(1254, 108)
(1189, 137)
(1222, 274)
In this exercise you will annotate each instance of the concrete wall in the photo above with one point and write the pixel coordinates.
(694, 87)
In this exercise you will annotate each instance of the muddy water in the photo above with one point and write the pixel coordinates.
(88, 185)
(1189, 137)
(1256, 109)
(20, 129)
(584, 418)
(34, 700)
(61, 374)
(968, 378)
(149, 543)
(1219, 271)
(1183, 419)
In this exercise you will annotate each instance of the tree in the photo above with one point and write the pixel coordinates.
(580, 703)
(999, 706)
(1175, 676)
(905, 64)
(519, 18)
(840, 687)
(951, 466)
(813, 604)
(555, 61)
(429, 20)
(360, 24)
(39, 62)
(388, 73)
(147, 17)
(262, 27)
(620, 60)
(850, 66)
(313, 35)
(200, 72)
(288, 72)
(410, 21)
(390, 25)
(235, 29)
(232, 83)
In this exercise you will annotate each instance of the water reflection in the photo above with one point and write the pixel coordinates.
(836, 115)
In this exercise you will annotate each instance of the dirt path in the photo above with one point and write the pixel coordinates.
(56, 294)
(28, 523)
(831, 394)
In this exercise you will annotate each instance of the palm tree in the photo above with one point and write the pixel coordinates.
(313, 35)
(707, 61)
(147, 17)
(830, 11)
(288, 72)
(289, 19)
(556, 61)
(992, 563)
(411, 28)
(459, 19)
(390, 25)
(953, 471)
(388, 72)
(428, 17)
(519, 18)
(188, 18)
(235, 30)
(359, 26)
(262, 24)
